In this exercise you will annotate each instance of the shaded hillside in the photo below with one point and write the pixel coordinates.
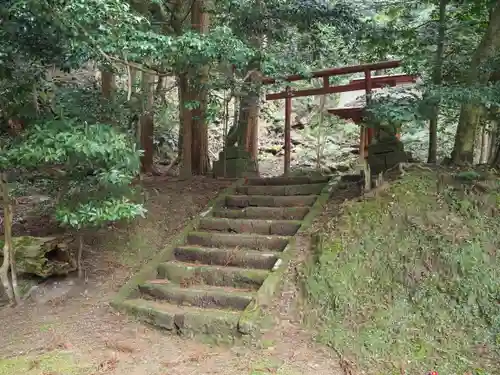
(409, 281)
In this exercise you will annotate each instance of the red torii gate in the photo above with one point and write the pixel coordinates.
(356, 113)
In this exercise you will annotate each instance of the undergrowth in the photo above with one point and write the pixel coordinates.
(409, 281)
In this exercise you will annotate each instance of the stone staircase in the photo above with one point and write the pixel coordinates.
(216, 277)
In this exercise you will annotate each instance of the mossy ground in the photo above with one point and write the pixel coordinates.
(409, 281)
(50, 363)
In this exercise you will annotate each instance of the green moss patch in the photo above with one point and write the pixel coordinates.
(409, 281)
(56, 363)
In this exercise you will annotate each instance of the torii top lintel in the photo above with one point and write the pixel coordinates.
(337, 71)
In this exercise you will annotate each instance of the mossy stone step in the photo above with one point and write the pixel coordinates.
(268, 213)
(202, 295)
(242, 201)
(184, 320)
(271, 227)
(188, 274)
(227, 257)
(293, 180)
(305, 189)
(241, 240)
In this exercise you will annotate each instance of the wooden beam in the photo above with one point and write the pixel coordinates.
(337, 71)
(318, 91)
(349, 113)
(393, 80)
(329, 90)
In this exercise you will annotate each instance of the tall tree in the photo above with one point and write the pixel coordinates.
(437, 80)
(200, 22)
(146, 123)
(478, 73)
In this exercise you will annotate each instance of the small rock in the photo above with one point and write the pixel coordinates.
(272, 149)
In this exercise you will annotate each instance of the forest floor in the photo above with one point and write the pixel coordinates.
(69, 328)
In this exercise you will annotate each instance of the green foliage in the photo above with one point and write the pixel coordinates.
(93, 167)
(95, 213)
(410, 280)
(84, 103)
(394, 109)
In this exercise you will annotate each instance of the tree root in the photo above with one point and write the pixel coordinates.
(403, 167)
(173, 164)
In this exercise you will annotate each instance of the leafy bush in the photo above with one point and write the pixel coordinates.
(92, 166)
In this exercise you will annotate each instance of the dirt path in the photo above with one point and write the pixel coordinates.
(74, 318)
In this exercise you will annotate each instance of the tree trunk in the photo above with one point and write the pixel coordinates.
(199, 145)
(9, 261)
(485, 145)
(186, 134)
(107, 83)
(253, 134)
(463, 149)
(437, 79)
(4, 269)
(494, 157)
(180, 93)
(494, 141)
(470, 113)
(245, 134)
(107, 89)
(146, 124)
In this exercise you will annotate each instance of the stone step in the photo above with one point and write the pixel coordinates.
(244, 241)
(184, 320)
(293, 180)
(305, 189)
(227, 257)
(266, 213)
(242, 201)
(205, 296)
(187, 274)
(277, 227)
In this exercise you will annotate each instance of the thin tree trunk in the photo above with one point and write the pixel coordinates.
(79, 257)
(253, 139)
(437, 79)
(470, 113)
(236, 112)
(133, 80)
(107, 89)
(180, 93)
(494, 141)
(9, 264)
(484, 151)
(478, 141)
(185, 115)
(147, 124)
(107, 83)
(495, 158)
